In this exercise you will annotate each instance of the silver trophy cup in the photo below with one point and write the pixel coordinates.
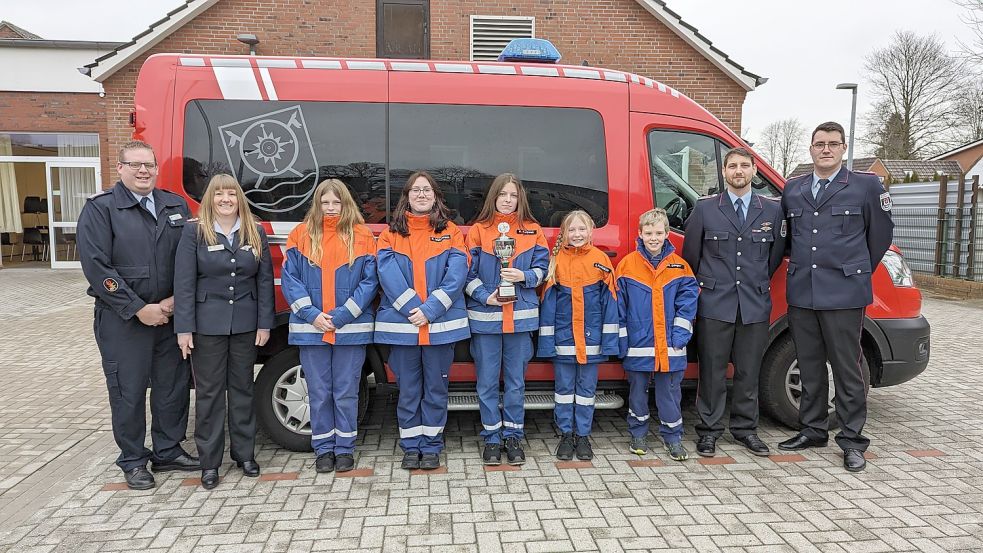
(504, 250)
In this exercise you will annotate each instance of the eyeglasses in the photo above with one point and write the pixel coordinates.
(820, 146)
(421, 191)
(136, 165)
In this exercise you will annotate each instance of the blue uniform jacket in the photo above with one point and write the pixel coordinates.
(733, 262)
(127, 256)
(836, 243)
(344, 292)
(222, 289)
(657, 297)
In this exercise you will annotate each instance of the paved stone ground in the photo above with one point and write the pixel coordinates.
(923, 490)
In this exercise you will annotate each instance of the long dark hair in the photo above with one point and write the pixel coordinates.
(440, 214)
(488, 210)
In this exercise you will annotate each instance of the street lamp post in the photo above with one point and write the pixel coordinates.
(853, 120)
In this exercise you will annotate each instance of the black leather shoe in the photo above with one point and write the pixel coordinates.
(139, 479)
(429, 461)
(209, 478)
(853, 460)
(411, 460)
(800, 442)
(706, 446)
(325, 462)
(754, 445)
(249, 468)
(344, 462)
(183, 462)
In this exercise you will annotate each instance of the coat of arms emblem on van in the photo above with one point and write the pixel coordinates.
(272, 156)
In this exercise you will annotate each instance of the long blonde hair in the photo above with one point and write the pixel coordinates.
(248, 235)
(350, 216)
(561, 239)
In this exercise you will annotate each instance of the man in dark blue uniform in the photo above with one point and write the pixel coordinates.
(734, 242)
(127, 237)
(840, 226)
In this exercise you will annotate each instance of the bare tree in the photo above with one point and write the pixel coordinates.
(782, 144)
(916, 80)
(968, 110)
(974, 19)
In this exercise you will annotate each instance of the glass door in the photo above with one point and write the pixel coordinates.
(69, 185)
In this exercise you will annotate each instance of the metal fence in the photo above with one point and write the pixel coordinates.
(944, 239)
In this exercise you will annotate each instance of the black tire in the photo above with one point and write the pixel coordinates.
(278, 374)
(779, 399)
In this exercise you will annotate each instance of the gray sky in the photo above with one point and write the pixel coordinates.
(804, 47)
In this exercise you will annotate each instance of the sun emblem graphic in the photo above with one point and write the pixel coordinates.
(269, 148)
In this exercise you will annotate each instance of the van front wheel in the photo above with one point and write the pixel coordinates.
(781, 384)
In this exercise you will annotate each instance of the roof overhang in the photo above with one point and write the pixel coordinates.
(748, 81)
(105, 66)
(958, 150)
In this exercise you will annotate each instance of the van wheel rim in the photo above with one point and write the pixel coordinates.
(793, 386)
(291, 402)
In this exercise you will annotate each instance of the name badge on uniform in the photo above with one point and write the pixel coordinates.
(246, 247)
(175, 216)
(216, 247)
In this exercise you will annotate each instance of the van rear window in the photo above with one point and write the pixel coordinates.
(279, 151)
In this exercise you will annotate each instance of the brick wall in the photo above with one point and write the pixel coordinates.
(618, 34)
(7, 32)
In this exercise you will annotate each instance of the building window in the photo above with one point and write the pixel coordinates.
(403, 29)
(490, 34)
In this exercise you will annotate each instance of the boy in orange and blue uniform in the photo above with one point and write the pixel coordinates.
(657, 298)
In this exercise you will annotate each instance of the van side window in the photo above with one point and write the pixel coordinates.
(684, 167)
(759, 183)
(557, 152)
(279, 151)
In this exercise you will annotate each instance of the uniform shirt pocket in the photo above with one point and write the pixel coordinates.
(856, 268)
(762, 244)
(712, 240)
(846, 219)
(133, 272)
(795, 219)
(706, 283)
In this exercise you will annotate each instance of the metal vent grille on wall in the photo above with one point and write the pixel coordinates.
(490, 34)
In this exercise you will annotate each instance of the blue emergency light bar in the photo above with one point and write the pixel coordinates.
(538, 50)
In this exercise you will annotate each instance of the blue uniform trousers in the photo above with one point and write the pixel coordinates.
(135, 357)
(505, 357)
(667, 397)
(574, 389)
(333, 374)
(421, 412)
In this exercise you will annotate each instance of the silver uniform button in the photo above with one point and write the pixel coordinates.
(233, 260)
(815, 213)
(738, 282)
(714, 237)
(814, 248)
(847, 212)
(738, 268)
(233, 274)
(813, 265)
(230, 301)
(739, 238)
(231, 288)
(738, 253)
(859, 271)
(814, 231)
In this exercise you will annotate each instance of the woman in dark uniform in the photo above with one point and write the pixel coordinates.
(223, 311)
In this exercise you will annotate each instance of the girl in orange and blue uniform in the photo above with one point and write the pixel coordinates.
(657, 297)
(501, 331)
(578, 328)
(329, 278)
(422, 268)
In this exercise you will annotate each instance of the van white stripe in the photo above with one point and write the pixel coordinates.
(237, 83)
(321, 64)
(541, 71)
(265, 62)
(497, 69)
(283, 227)
(581, 73)
(264, 73)
(230, 62)
(367, 65)
(619, 77)
(193, 62)
(409, 66)
(453, 68)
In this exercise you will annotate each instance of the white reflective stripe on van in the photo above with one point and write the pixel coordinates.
(367, 65)
(540, 71)
(409, 66)
(230, 62)
(674, 92)
(497, 69)
(236, 83)
(300, 304)
(284, 228)
(619, 77)
(677, 352)
(403, 298)
(192, 62)
(581, 73)
(572, 350)
(321, 64)
(355, 328)
(641, 352)
(399, 328)
(546, 330)
(442, 296)
(266, 62)
(453, 68)
(264, 75)
(304, 328)
(682, 323)
(449, 325)
(353, 307)
(472, 286)
(610, 328)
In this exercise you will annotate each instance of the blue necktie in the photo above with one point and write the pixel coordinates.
(145, 203)
(821, 187)
(739, 206)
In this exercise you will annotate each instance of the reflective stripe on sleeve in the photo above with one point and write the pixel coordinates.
(622, 332)
(443, 298)
(403, 298)
(353, 307)
(473, 285)
(682, 323)
(539, 275)
(546, 330)
(300, 304)
(610, 329)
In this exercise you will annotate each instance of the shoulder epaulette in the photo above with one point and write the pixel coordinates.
(99, 194)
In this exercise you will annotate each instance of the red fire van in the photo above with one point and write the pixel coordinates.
(612, 143)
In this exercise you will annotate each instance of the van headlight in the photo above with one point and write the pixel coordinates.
(898, 268)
